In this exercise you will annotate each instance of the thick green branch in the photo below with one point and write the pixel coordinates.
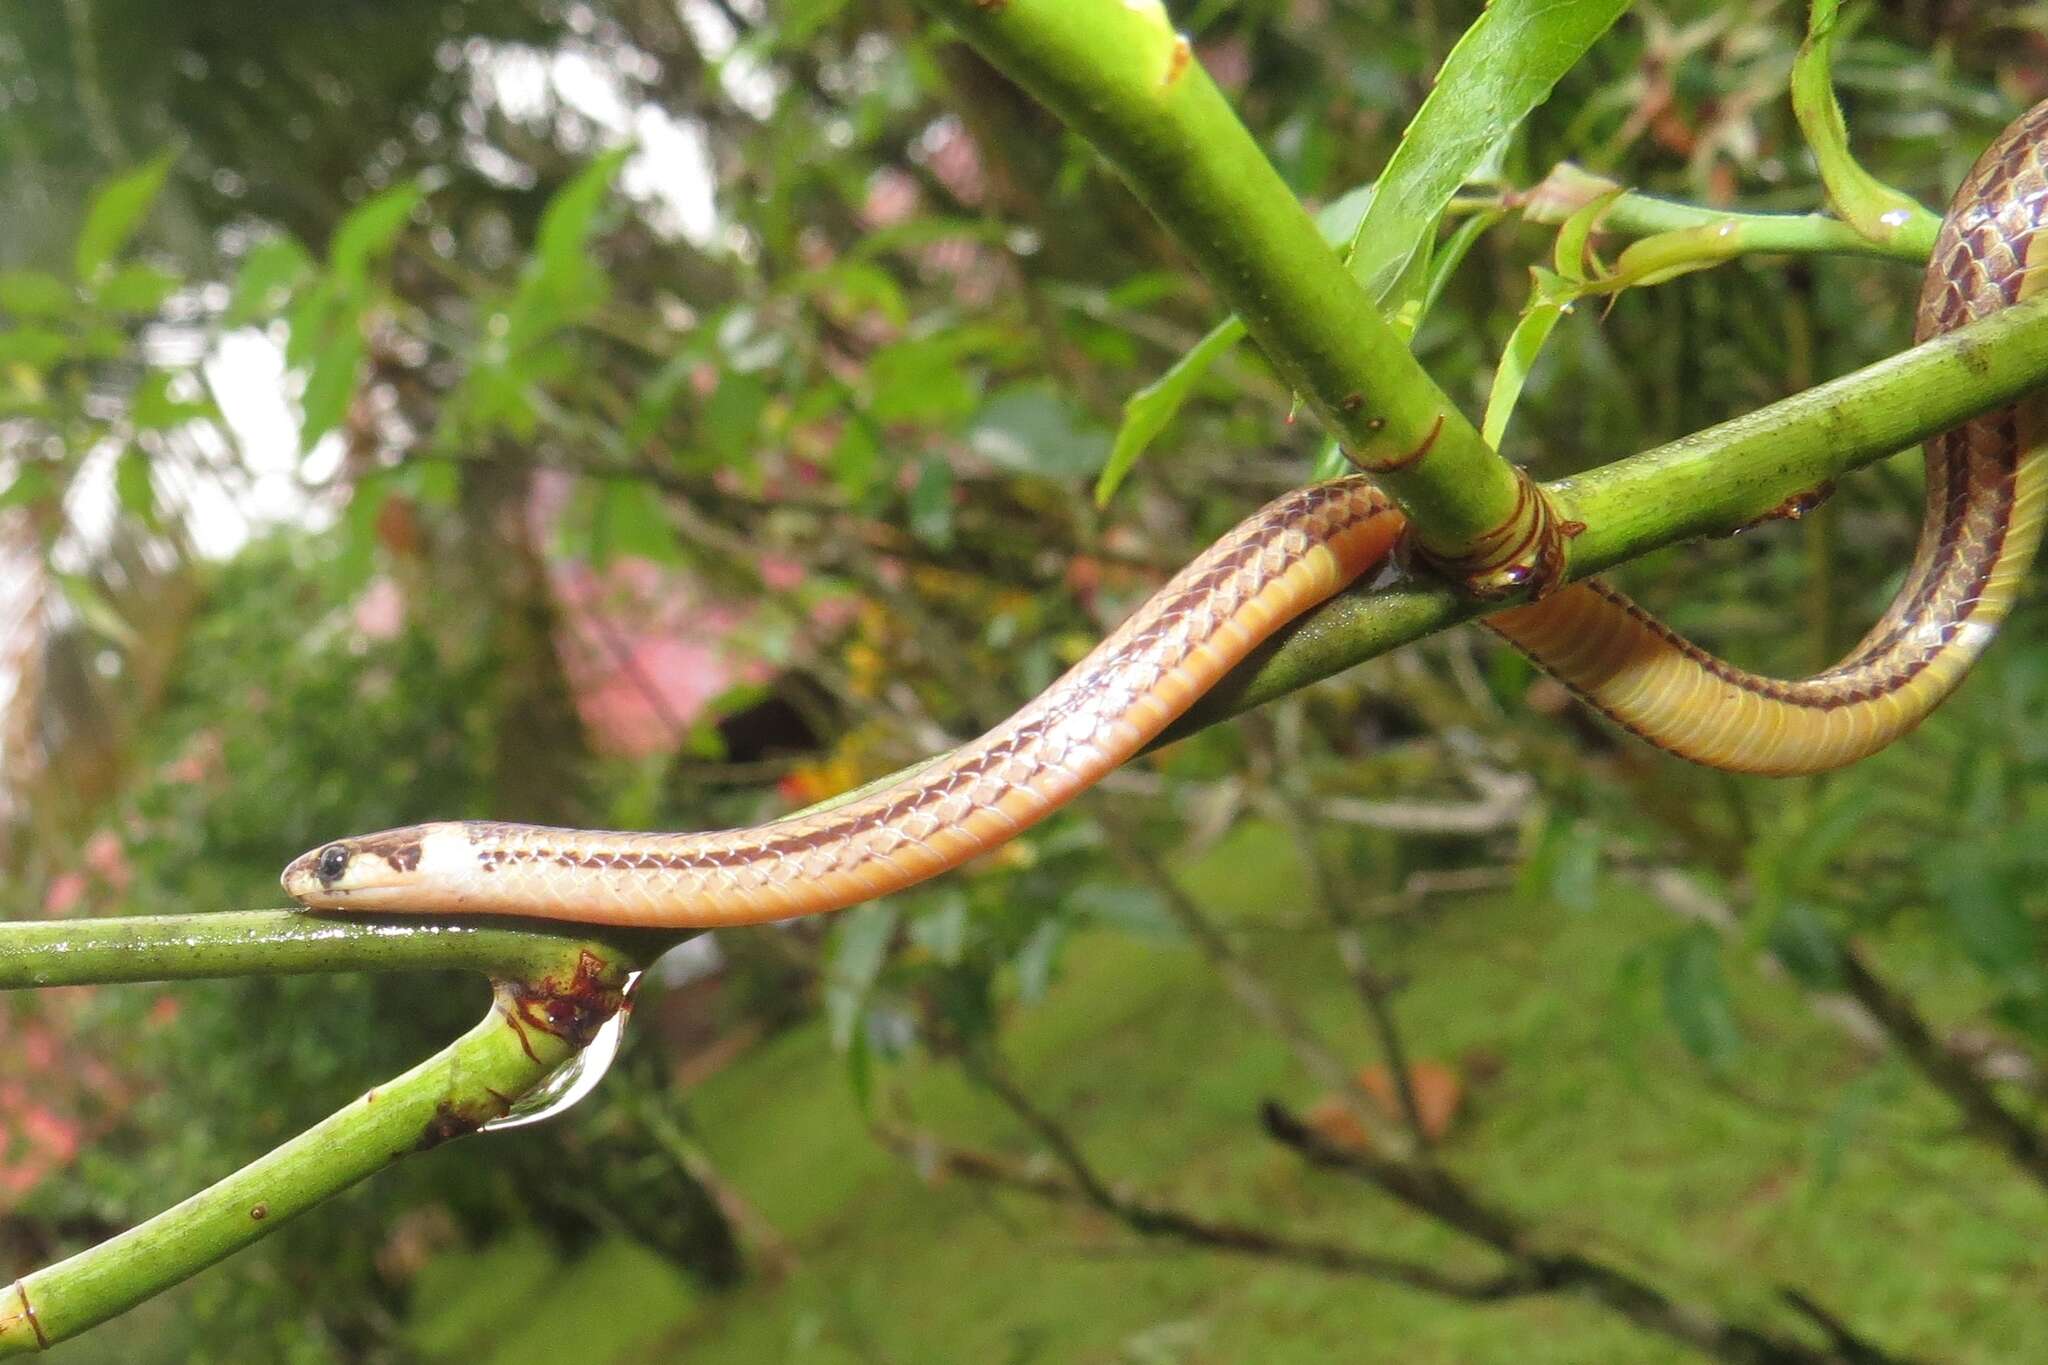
(1117, 72)
(1708, 483)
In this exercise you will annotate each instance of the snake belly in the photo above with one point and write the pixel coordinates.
(1985, 507)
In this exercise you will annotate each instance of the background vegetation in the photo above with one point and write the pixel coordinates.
(667, 414)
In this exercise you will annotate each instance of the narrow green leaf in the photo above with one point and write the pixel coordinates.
(270, 273)
(856, 463)
(1504, 66)
(1125, 906)
(1801, 939)
(37, 347)
(943, 930)
(31, 484)
(368, 231)
(1696, 998)
(1147, 412)
(35, 294)
(571, 213)
(931, 503)
(1031, 428)
(1878, 1089)
(1035, 961)
(1533, 328)
(1866, 203)
(630, 519)
(153, 409)
(657, 397)
(95, 611)
(136, 290)
(117, 210)
(860, 944)
(731, 419)
(359, 531)
(132, 486)
(330, 386)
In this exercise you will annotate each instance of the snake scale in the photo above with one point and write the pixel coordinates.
(1985, 504)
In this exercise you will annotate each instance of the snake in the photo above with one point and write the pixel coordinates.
(1983, 522)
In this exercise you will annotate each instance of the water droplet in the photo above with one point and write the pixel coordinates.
(568, 1083)
(1893, 217)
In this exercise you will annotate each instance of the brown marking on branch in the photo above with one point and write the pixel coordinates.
(27, 1315)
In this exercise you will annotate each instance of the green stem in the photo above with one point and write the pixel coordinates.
(449, 1095)
(286, 942)
(1712, 482)
(1119, 75)
(1569, 188)
(1870, 206)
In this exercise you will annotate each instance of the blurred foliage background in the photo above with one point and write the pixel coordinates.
(669, 412)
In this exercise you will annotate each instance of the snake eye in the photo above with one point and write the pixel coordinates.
(333, 862)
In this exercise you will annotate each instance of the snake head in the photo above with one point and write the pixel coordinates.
(368, 872)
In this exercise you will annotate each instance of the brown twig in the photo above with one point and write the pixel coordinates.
(1952, 1075)
(1084, 1185)
(1433, 1192)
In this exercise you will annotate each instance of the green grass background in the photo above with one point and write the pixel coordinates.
(1806, 1164)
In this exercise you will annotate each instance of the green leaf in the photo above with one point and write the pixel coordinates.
(1982, 910)
(132, 486)
(1541, 315)
(657, 397)
(117, 209)
(36, 347)
(368, 231)
(153, 409)
(1126, 906)
(1033, 429)
(630, 519)
(1503, 67)
(1147, 412)
(1801, 939)
(731, 419)
(31, 484)
(1877, 1090)
(1696, 999)
(136, 290)
(1035, 961)
(922, 381)
(860, 944)
(856, 463)
(35, 294)
(1866, 203)
(943, 931)
(330, 386)
(95, 611)
(359, 531)
(571, 214)
(270, 273)
(931, 503)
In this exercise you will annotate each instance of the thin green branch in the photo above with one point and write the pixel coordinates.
(1119, 75)
(287, 942)
(1569, 188)
(452, 1093)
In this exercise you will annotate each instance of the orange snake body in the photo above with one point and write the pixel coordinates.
(1985, 505)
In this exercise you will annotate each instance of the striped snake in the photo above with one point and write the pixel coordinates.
(1984, 519)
